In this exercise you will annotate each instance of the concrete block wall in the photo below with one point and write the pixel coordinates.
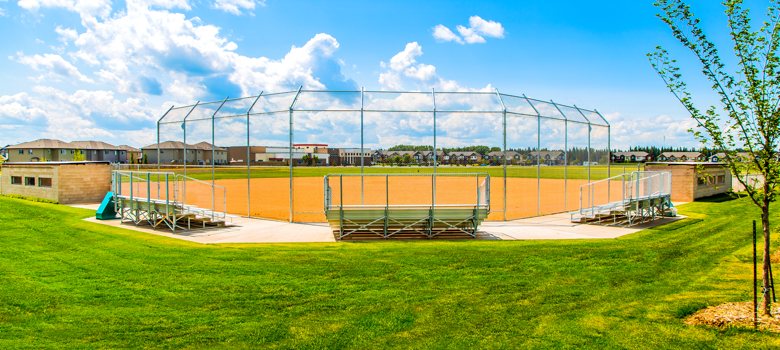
(37, 171)
(83, 183)
(70, 183)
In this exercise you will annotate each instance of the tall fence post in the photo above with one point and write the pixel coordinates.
(248, 160)
(503, 108)
(362, 152)
(292, 106)
(538, 156)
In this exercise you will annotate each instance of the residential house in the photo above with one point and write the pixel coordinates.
(172, 152)
(132, 154)
(464, 157)
(98, 151)
(630, 157)
(61, 151)
(548, 157)
(681, 157)
(497, 157)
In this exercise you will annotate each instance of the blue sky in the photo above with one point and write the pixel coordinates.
(96, 69)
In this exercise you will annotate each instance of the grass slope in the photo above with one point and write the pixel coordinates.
(68, 283)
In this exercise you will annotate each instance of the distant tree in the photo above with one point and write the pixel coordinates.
(78, 156)
(748, 115)
(407, 159)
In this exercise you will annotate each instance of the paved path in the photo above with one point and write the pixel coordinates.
(244, 230)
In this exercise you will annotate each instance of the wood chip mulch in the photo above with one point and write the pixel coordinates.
(739, 315)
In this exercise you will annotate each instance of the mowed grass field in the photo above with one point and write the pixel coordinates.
(65, 282)
(545, 172)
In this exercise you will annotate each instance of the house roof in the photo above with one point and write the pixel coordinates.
(688, 155)
(128, 148)
(204, 146)
(42, 143)
(463, 153)
(92, 145)
(633, 153)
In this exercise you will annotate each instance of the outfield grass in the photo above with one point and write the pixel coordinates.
(545, 172)
(69, 283)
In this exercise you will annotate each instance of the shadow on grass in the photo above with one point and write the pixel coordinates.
(719, 198)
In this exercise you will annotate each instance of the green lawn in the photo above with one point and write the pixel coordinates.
(546, 172)
(69, 283)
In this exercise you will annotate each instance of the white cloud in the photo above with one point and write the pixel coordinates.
(66, 34)
(134, 68)
(442, 33)
(470, 35)
(645, 131)
(237, 6)
(54, 113)
(405, 72)
(52, 65)
(2, 12)
(475, 33)
(487, 28)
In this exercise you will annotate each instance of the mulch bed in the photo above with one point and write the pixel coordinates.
(738, 315)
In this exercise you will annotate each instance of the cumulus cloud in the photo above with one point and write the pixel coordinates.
(475, 33)
(645, 131)
(405, 72)
(237, 6)
(52, 65)
(170, 59)
(442, 33)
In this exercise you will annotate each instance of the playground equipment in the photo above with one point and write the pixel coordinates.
(159, 199)
(397, 214)
(644, 196)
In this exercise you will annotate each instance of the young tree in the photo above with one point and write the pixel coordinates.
(78, 156)
(747, 116)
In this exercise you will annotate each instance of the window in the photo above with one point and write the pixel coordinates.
(16, 180)
(21, 151)
(105, 152)
(44, 182)
(62, 151)
(721, 179)
(702, 181)
(29, 181)
(72, 151)
(30, 151)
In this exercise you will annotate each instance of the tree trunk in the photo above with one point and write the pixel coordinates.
(767, 297)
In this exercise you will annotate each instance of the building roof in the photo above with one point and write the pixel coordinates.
(463, 153)
(632, 153)
(688, 155)
(205, 146)
(92, 145)
(42, 143)
(128, 148)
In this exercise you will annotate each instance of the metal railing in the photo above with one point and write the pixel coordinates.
(634, 186)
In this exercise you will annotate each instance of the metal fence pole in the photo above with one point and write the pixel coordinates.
(538, 157)
(184, 128)
(292, 105)
(503, 107)
(565, 155)
(213, 160)
(433, 181)
(362, 154)
(249, 161)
